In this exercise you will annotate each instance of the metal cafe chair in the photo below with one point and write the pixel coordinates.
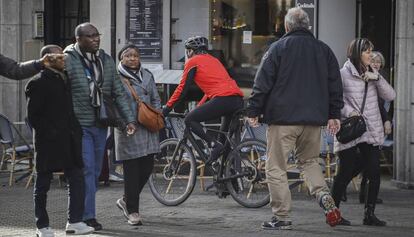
(12, 152)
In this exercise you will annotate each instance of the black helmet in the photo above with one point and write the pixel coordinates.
(196, 43)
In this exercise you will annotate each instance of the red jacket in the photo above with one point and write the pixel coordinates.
(210, 75)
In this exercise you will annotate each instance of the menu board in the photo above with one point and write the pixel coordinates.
(310, 7)
(144, 27)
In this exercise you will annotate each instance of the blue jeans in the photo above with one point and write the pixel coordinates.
(93, 147)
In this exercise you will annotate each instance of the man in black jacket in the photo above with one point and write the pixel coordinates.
(297, 89)
(57, 139)
(18, 71)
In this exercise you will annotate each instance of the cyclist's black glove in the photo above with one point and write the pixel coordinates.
(166, 110)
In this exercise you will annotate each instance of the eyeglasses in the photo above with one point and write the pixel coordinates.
(95, 35)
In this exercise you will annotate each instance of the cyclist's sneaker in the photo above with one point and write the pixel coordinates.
(332, 213)
(276, 224)
(115, 178)
(216, 150)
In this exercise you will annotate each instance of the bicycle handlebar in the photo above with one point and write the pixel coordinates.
(176, 115)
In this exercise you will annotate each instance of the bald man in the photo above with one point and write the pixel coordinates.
(91, 72)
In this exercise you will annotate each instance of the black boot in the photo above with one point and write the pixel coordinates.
(370, 218)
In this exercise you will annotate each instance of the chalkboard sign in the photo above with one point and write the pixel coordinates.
(144, 27)
(310, 7)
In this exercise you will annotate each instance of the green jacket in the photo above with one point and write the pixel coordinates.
(82, 107)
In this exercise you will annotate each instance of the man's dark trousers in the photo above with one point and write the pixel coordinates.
(76, 196)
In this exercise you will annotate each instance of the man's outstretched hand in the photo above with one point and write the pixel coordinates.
(49, 60)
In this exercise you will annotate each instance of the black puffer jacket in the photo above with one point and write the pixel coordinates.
(298, 82)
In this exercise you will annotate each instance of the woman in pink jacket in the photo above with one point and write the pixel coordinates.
(356, 75)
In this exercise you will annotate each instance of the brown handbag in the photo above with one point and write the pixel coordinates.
(150, 118)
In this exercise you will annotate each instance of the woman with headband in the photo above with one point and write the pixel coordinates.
(136, 151)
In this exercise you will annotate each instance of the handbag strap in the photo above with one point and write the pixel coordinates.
(365, 98)
(132, 90)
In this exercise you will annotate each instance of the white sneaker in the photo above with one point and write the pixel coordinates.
(45, 232)
(79, 228)
(134, 219)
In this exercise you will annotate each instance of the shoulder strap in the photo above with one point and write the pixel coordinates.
(132, 90)
(365, 97)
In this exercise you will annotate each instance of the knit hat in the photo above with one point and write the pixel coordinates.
(127, 46)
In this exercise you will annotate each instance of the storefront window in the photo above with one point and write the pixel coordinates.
(242, 31)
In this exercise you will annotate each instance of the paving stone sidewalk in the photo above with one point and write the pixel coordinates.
(204, 214)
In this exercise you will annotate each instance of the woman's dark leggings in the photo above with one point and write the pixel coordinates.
(370, 163)
(213, 109)
(136, 174)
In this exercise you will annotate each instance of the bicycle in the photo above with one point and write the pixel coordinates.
(238, 172)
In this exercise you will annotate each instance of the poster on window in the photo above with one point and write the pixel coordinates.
(144, 27)
(310, 7)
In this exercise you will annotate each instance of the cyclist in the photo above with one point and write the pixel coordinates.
(225, 97)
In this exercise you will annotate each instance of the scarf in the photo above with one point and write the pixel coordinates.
(130, 74)
(93, 67)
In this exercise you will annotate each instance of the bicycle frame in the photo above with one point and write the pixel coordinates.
(229, 144)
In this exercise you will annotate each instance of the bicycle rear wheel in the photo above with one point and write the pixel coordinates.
(246, 163)
(173, 178)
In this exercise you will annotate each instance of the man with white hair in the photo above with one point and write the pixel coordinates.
(297, 89)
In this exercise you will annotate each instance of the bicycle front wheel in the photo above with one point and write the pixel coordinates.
(246, 166)
(173, 177)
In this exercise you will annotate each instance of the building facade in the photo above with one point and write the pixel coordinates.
(239, 32)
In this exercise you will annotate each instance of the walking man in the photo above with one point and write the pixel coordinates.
(91, 72)
(57, 139)
(298, 89)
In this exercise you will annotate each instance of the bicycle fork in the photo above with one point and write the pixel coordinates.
(173, 170)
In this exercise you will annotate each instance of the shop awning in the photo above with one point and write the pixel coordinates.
(164, 76)
(168, 76)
